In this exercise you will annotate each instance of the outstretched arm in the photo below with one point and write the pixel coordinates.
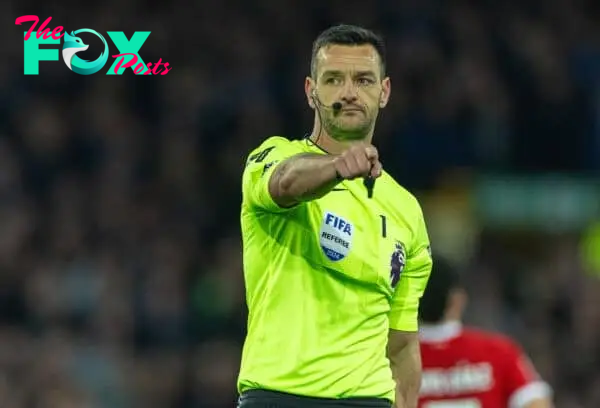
(309, 176)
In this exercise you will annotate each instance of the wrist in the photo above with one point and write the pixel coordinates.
(337, 176)
(333, 170)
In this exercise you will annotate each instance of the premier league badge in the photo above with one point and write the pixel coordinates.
(397, 263)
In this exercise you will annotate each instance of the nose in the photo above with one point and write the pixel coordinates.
(349, 93)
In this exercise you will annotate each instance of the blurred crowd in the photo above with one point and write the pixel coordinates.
(120, 264)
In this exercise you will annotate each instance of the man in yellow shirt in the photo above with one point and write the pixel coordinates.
(334, 266)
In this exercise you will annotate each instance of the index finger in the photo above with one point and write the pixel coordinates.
(371, 153)
(376, 170)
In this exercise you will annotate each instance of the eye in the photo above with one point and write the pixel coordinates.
(365, 81)
(333, 81)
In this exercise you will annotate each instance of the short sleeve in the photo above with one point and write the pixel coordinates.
(260, 165)
(523, 384)
(413, 281)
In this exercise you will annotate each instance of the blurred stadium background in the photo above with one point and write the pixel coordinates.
(120, 268)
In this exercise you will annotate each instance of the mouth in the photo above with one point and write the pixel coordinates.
(351, 109)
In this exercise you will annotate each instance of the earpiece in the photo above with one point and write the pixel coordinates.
(313, 97)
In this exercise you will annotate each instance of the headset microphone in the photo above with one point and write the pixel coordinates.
(336, 106)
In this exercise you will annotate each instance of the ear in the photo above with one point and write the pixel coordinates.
(309, 89)
(386, 89)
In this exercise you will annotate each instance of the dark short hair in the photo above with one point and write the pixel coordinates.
(443, 280)
(345, 34)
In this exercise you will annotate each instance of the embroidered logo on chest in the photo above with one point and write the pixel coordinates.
(335, 236)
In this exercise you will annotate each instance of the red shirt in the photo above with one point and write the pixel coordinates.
(467, 368)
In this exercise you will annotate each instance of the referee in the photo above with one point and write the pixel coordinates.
(334, 265)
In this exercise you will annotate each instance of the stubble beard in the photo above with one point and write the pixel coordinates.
(345, 133)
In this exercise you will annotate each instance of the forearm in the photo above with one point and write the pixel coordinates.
(303, 178)
(406, 369)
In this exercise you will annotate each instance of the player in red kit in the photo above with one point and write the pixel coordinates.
(465, 367)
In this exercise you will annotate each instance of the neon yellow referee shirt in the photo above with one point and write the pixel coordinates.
(326, 280)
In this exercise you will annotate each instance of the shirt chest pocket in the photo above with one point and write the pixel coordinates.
(341, 242)
(369, 248)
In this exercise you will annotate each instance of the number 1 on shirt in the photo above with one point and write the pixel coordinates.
(383, 225)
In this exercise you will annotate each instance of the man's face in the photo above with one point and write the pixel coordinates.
(350, 75)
